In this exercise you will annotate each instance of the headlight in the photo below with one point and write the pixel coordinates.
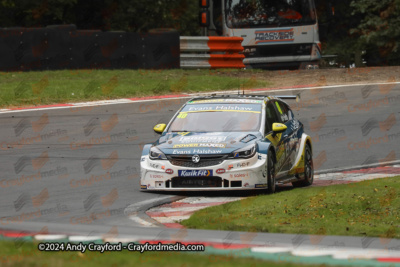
(246, 152)
(155, 153)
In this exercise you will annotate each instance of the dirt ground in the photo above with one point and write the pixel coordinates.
(322, 77)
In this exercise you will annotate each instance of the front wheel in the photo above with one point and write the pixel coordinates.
(271, 174)
(308, 170)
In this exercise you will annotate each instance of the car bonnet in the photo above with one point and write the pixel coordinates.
(188, 143)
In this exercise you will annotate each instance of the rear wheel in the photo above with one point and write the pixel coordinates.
(271, 174)
(308, 170)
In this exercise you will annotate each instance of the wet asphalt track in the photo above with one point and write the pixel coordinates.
(79, 166)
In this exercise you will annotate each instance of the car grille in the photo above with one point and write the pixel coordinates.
(190, 182)
(205, 161)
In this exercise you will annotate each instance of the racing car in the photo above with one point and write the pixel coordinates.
(229, 142)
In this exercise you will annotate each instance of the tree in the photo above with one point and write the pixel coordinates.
(116, 15)
(335, 20)
(379, 30)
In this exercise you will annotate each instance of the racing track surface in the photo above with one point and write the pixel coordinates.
(80, 165)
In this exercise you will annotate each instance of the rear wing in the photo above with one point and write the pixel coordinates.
(293, 97)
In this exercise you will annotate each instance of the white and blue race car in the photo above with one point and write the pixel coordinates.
(232, 142)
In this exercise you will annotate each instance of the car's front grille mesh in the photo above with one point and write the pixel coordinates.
(205, 161)
(190, 164)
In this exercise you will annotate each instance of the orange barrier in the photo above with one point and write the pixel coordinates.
(226, 61)
(211, 52)
(225, 44)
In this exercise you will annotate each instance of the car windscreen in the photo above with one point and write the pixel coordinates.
(268, 13)
(222, 117)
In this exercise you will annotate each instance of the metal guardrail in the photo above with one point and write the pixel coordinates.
(211, 52)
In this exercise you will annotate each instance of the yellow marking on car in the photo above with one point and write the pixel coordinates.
(182, 115)
(279, 108)
(274, 140)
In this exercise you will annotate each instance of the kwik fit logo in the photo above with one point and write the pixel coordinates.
(195, 173)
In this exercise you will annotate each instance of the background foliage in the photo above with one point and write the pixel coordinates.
(358, 31)
(111, 15)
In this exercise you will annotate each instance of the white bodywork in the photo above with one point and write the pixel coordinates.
(252, 174)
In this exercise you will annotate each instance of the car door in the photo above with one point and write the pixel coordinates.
(271, 116)
(289, 137)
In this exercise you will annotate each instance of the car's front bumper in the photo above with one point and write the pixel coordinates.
(232, 174)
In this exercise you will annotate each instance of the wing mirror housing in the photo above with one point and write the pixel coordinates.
(278, 128)
(159, 128)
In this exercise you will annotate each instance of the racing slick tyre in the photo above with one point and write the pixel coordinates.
(308, 170)
(271, 182)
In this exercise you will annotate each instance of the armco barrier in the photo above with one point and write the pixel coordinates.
(211, 52)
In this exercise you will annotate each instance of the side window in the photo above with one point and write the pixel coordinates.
(283, 111)
(290, 114)
(270, 117)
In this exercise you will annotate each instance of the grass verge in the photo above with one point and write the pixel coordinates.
(368, 208)
(49, 87)
(27, 254)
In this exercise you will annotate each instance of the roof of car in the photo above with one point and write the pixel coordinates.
(234, 98)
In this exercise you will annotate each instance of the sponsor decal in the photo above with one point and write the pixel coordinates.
(182, 115)
(153, 165)
(284, 117)
(183, 133)
(169, 171)
(219, 108)
(203, 139)
(261, 185)
(295, 125)
(226, 100)
(194, 173)
(142, 159)
(239, 175)
(143, 186)
(234, 107)
(230, 167)
(246, 185)
(243, 164)
(259, 157)
(220, 171)
(196, 151)
(156, 176)
(214, 145)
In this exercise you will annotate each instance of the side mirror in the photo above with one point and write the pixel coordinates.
(278, 128)
(159, 128)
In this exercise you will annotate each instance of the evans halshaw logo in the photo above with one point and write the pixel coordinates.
(195, 173)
